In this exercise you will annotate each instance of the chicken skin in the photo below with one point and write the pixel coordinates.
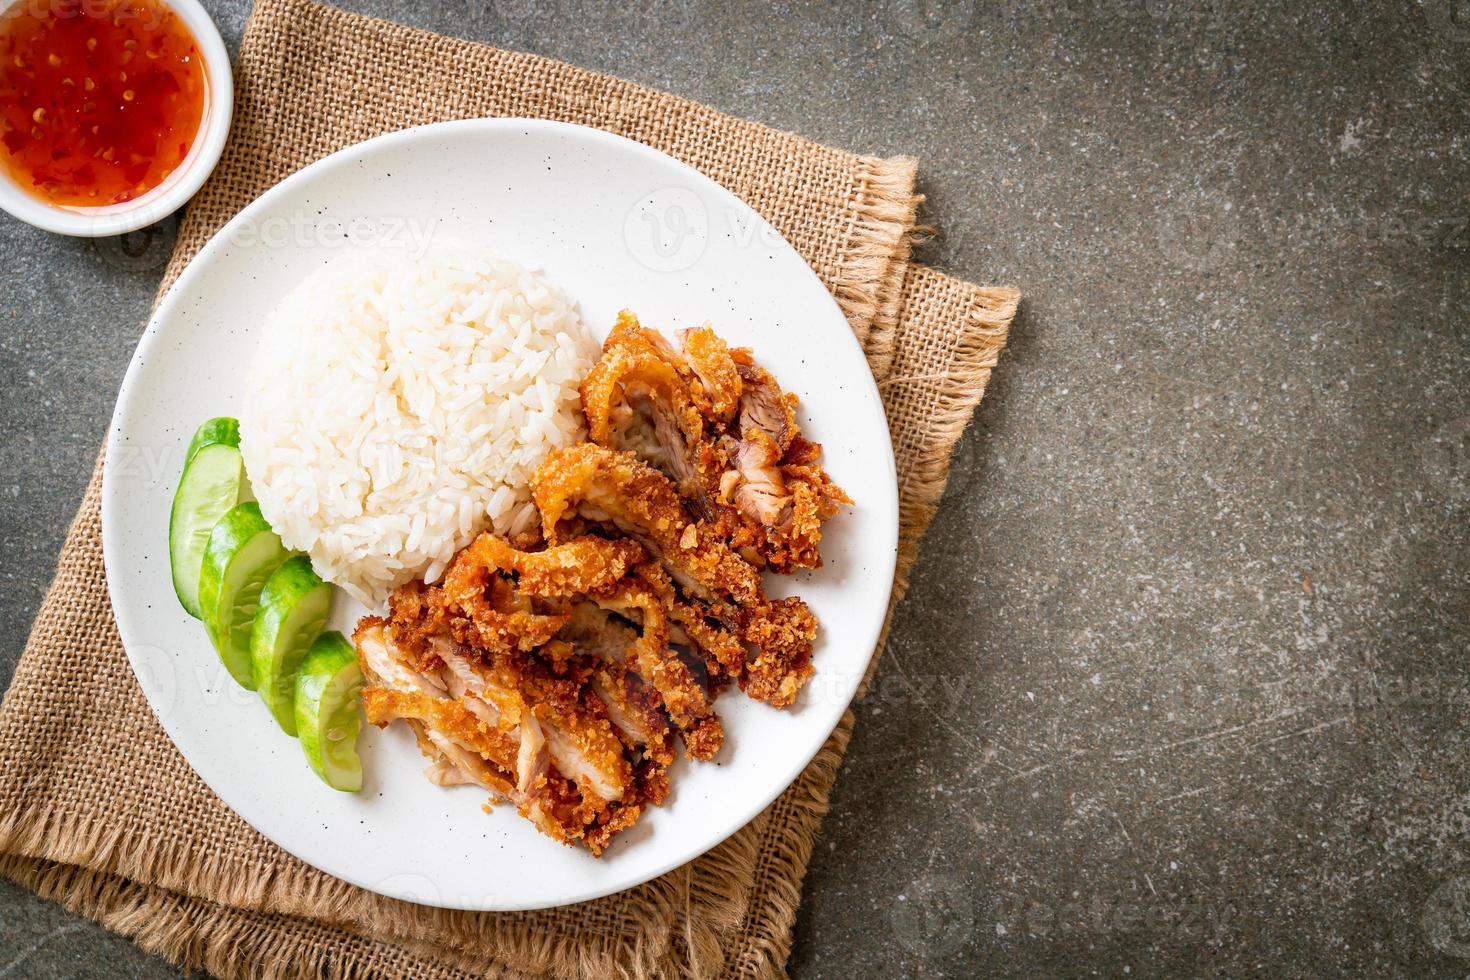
(722, 430)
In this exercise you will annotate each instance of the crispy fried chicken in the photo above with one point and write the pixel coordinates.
(723, 609)
(602, 486)
(717, 425)
(559, 671)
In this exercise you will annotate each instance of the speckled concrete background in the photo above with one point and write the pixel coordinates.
(1181, 686)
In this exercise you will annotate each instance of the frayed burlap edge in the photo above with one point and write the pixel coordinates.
(135, 854)
(708, 906)
(230, 936)
(957, 394)
(142, 853)
(869, 287)
(227, 942)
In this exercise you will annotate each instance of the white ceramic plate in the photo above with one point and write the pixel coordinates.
(617, 225)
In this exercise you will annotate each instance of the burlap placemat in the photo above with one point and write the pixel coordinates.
(98, 810)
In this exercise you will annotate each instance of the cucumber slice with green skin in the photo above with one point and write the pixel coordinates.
(241, 554)
(214, 474)
(328, 690)
(223, 431)
(294, 606)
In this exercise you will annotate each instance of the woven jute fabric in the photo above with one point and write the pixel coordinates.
(99, 811)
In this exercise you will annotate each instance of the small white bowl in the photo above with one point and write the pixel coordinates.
(177, 187)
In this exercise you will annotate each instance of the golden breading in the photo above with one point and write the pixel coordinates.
(450, 718)
(580, 738)
(575, 567)
(479, 722)
(634, 367)
(715, 381)
(781, 633)
(684, 698)
(615, 487)
(722, 651)
(479, 585)
(724, 608)
(719, 426)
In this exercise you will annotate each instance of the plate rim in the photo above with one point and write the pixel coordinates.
(221, 239)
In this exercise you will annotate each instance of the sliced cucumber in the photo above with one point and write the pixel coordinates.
(294, 606)
(210, 485)
(240, 556)
(327, 717)
(223, 431)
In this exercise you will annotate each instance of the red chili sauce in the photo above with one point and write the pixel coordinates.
(100, 100)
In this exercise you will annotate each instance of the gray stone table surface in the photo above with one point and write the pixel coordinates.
(1181, 685)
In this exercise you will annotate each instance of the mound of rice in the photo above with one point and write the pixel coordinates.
(396, 408)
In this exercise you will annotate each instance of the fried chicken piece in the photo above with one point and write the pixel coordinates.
(720, 427)
(446, 717)
(717, 585)
(572, 733)
(781, 633)
(554, 670)
(627, 630)
(778, 491)
(605, 486)
(764, 408)
(635, 398)
(694, 625)
(495, 585)
(634, 708)
(462, 748)
(716, 384)
(575, 567)
(637, 714)
(526, 736)
(516, 692)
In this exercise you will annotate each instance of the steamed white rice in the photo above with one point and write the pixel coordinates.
(397, 407)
